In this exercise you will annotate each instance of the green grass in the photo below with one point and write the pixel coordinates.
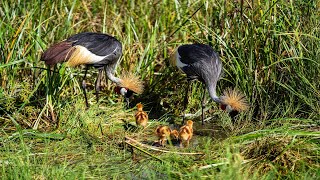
(269, 49)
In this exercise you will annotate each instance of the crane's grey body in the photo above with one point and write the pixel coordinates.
(95, 49)
(199, 61)
(99, 44)
(202, 63)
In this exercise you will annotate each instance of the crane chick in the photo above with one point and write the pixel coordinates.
(141, 116)
(186, 133)
(164, 133)
(174, 134)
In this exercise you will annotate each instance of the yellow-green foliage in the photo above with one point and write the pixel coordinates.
(269, 50)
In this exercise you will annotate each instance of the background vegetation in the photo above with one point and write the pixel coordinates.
(270, 50)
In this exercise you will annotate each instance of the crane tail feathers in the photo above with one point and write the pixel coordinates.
(73, 55)
(59, 52)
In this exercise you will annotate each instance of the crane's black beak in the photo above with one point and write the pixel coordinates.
(128, 102)
(233, 114)
(128, 95)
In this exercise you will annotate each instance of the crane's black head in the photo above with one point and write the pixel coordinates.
(125, 92)
(233, 101)
(232, 112)
(128, 84)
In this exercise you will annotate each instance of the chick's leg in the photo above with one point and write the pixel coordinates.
(161, 142)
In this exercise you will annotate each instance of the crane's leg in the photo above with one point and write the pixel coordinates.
(185, 102)
(97, 86)
(84, 85)
(98, 83)
(105, 71)
(203, 103)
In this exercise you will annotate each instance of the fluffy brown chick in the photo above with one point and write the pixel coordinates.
(141, 116)
(163, 133)
(186, 133)
(174, 134)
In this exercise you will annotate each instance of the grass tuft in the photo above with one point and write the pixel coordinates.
(269, 51)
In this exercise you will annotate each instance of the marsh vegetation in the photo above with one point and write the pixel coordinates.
(269, 49)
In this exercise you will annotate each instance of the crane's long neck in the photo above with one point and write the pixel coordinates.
(213, 94)
(110, 75)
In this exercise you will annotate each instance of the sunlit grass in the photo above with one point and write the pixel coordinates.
(269, 49)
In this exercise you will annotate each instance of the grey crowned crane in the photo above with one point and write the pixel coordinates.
(199, 61)
(99, 50)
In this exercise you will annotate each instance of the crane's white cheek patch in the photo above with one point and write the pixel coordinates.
(178, 62)
(82, 55)
(229, 108)
(123, 91)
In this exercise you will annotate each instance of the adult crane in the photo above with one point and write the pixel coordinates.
(99, 50)
(199, 61)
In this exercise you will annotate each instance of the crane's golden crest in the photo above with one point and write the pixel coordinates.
(235, 99)
(132, 82)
